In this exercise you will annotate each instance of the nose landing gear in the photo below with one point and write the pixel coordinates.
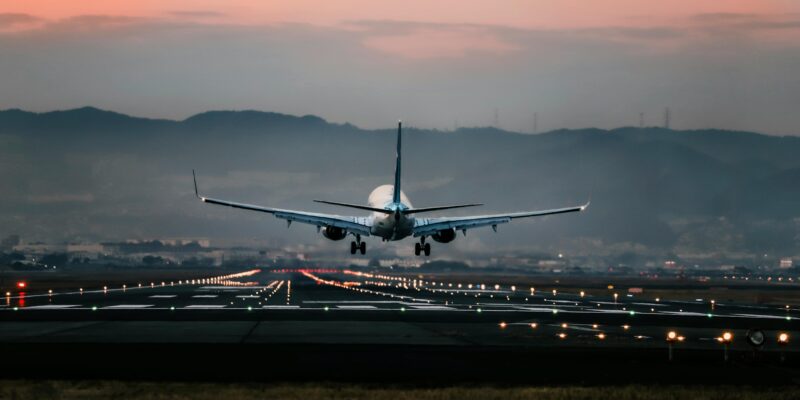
(422, 247)
(358, 246)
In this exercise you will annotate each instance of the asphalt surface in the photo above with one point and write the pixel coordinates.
(352, 323)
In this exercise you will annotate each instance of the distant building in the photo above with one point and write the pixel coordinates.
(786, 262)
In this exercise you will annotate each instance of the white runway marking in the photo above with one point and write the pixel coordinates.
(202, 306)
(431, 307)
(759, 316)
(597, 310)
(126, 306)
(281, 307)
(688, 313)
(232, 288)
(362, 307)
(205, 296)
(52, 306)
(354, 302)
(249, 296)
(542, 310)
(163, 296)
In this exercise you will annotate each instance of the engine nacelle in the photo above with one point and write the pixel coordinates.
(334, 233)
(444, 235)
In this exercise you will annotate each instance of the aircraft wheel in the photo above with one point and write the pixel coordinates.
(417, 249)
(352, 247)
(363, 247)
(427, 249)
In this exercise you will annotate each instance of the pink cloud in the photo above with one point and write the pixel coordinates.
(426, 43)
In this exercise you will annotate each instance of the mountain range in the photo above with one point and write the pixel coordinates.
(88, 175)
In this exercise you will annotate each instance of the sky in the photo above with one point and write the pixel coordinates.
(435, 64)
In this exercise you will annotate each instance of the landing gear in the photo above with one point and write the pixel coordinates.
(422, 247)
(358, 246)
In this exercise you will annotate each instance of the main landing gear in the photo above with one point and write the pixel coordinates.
(422, 247)
(358, 246)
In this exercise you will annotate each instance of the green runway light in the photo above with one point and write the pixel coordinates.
(479, 310)
(249, 308)
(403, 309)
(172, 308)
(326, 308)
(710, 315)
(16, 308)
(632, 313)
(94, 308)
(555, 311)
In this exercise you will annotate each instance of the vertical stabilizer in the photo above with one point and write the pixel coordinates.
(396, 195)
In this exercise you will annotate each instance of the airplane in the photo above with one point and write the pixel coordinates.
(393, 216)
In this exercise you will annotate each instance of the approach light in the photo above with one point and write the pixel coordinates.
(601, 335)
(727, 337)
(503, 325)
(672, 336)
(783, 338)
(22, 285)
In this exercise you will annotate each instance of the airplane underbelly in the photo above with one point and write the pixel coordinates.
(387, 228)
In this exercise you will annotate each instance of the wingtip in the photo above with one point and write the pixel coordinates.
(585, 206)
(196, 193)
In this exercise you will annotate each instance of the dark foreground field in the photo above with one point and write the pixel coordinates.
(88, 390)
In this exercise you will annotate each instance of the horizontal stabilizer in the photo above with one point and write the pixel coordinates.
(357, 206)
(428, 209)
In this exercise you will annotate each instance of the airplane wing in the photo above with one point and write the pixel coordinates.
(359, 225)
(429, 226)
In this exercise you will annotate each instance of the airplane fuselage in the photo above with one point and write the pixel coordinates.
(393, 226)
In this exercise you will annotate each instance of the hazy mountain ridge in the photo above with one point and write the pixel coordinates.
(104, 175)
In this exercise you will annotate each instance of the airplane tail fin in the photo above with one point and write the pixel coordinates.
(396, 195)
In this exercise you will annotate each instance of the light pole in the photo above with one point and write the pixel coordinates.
(672, 337)
(756, 338)
(783, 341)
(726, 339)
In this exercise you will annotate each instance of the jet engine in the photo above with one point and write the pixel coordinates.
(444, 235)
(334, 233)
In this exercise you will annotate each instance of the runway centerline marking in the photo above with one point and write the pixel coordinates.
(163, 296)
(52, 306)
(361, 307)
(126, 306)
(201, 306)
(205, 296)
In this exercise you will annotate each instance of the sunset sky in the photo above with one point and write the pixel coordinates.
(437, 64)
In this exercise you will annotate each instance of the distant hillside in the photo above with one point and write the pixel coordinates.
(93, 174)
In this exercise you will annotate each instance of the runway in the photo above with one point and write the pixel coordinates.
(354, 307)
